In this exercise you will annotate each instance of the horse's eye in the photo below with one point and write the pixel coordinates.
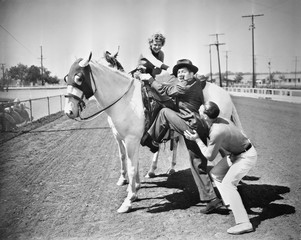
(66, 78)
(78, 80)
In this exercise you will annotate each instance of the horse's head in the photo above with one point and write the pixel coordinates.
(79, 86)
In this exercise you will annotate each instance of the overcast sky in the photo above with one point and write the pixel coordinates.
(69, 29)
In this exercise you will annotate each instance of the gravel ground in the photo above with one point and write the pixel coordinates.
(58, 181)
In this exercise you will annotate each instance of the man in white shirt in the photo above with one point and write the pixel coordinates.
(241, 157)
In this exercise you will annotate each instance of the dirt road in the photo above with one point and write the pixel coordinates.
(58, 181)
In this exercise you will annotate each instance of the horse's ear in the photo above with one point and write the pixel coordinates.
(85, 62)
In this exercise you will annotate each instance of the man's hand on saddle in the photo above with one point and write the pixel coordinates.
(191, 135)
(146, 78)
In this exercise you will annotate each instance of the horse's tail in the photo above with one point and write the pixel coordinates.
(235, 118)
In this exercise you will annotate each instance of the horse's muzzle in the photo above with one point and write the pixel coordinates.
(70, 114)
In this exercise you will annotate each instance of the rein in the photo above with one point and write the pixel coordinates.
(95, 115)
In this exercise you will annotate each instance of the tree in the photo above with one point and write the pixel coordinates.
(238, 77)
(33, 74)
(48, 78)
(52, 80)
(18, 72)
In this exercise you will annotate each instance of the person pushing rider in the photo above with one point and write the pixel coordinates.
(228, 172)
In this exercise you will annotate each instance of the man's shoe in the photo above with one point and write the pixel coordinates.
(147, 140)
(241, 228)
(154, 147)
(213, 205)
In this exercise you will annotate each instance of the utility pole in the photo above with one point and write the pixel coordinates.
(3, 74)
(42, 68)
(210, 62)
(217, 48)
(2, 67)
(296, 60)
(253, 61)
(270, 76)
(227, 69)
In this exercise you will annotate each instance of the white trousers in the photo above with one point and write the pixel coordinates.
(227, 174)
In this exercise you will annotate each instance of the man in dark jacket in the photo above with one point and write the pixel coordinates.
(187, 91)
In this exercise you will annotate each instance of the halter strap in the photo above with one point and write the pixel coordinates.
(104, 109)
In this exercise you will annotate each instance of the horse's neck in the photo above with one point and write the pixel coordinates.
(110, 85)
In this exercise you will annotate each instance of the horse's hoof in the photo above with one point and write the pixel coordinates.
(170, 171)
(121, 181)
(138, 186)
(125, 207)
(134, 198)
(150, 175)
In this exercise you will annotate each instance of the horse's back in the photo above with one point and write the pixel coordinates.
(221, 97)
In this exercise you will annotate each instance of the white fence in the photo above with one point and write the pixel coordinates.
(287, 95)
(36, 109)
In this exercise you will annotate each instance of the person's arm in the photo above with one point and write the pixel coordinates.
(157, 62)
(171, 90)
(210, 151)
(150, 57)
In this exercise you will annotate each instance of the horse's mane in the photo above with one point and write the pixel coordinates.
(114, 70)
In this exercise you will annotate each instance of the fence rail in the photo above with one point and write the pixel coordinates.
(288, 95)
(36, 109)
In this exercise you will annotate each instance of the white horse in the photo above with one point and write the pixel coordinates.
(120, 97)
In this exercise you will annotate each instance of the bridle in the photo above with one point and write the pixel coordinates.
(79, 95)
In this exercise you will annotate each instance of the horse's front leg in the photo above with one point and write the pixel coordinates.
(123, 164)
(122, 154)
(133, 175)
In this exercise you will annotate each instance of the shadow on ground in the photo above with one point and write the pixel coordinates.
(260, 196)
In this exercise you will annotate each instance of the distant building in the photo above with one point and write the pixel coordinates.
(277, 80)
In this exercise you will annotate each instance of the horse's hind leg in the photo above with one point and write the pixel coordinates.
(172, 170)
(153, 167)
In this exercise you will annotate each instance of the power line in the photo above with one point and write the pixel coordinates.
(16, 39)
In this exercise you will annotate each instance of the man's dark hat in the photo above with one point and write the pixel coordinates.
(184, 63)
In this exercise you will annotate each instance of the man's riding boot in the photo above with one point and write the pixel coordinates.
(147, 140)
(162, 134)
(153, 144)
